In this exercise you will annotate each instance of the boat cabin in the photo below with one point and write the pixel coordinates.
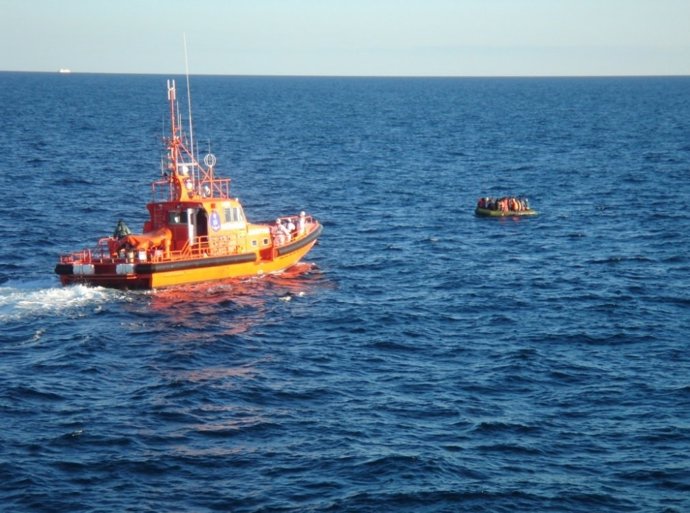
(217, 227)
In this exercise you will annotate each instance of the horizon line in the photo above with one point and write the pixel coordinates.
(60, 71)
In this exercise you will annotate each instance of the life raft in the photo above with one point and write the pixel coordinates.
(487, 212)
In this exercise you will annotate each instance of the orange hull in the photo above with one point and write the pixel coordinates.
(110, 273)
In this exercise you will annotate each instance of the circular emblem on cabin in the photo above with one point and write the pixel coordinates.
(215, 221)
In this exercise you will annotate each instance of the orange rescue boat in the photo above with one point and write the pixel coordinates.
(195, 232)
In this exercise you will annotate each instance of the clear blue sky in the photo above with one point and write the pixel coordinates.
(349, 37)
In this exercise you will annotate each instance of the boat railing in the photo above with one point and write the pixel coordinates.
(99, 253)
(164, 190)
(204, 247)
(220, 187)
(83, 256)
(279, 237)
(309, 220)
(106, 251)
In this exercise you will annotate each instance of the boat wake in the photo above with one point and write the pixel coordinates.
(19, 300)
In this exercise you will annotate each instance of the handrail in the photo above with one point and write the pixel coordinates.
(163, 190)
(202, 247)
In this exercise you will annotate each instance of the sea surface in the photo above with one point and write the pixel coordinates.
(419, 360)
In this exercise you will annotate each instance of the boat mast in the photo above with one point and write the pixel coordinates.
(171, 99)
(189, 98)
(187, 177)
(174, 128)
(177, 191)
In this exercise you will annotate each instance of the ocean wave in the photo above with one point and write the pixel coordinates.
(19, 300)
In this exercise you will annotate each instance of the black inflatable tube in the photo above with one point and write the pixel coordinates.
(151, 268)
(300, 243)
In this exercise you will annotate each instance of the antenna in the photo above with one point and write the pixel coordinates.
(189, 96)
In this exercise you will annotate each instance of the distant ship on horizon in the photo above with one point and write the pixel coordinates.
(64, 70)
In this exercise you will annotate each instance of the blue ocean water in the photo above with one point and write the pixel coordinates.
(421, 359)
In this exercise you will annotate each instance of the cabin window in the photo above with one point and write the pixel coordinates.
(232, 214)
(177, 217)
(265, 242)
(254, 244)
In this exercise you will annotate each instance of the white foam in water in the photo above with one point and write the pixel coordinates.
(18, 300)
